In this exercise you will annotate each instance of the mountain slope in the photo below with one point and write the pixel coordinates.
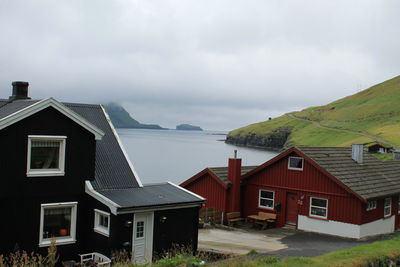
(370, 115)
(121, 118)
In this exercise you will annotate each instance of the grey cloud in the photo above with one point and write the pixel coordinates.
(223, 64)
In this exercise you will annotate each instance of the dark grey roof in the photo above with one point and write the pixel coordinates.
(112, 168)
(222, 172)
(150, 196)
(371, 179)
(114, 177)
(8, 108)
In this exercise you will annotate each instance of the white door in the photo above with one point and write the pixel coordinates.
(142, 245)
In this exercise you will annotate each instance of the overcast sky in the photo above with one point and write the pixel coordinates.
(220, 64)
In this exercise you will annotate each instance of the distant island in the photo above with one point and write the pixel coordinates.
(188, 127)
(121, 118)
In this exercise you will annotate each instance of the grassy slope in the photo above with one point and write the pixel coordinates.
(375, 111)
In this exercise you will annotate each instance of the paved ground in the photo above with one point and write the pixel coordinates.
(277, 241)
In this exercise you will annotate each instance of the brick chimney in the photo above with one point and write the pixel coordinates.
(234, 175)
(20, 90)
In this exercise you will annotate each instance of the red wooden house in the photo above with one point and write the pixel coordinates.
(332, 190)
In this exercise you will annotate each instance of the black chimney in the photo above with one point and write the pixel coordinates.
(20, 90)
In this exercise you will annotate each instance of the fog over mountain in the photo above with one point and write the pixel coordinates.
(219, 64)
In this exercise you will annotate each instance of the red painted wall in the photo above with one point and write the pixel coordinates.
(376, 214)
(310, 182)
(209, 188)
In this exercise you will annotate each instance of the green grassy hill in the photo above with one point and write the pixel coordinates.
(368, 116)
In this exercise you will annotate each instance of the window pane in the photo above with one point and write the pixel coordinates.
(387, 211)
(45, 154)
(266, 203)
(319, 202)
(318, 211)
(388, 202)
(57, 222)
(267, 194)
(103, 220)
(296, 163)
(139, 229)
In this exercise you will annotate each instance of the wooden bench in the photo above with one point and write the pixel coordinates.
(263, 219)
(234, 217)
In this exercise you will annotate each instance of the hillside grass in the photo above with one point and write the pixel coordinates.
(374, 111)
(379, 253)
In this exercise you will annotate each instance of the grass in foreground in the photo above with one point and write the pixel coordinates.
(375, 254)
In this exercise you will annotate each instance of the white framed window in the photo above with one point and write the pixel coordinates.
(266, 199)
(398, 205)
(46, 155)
(319, 207)
(140, 229)
(102, 222)
(58, 220)
(371, 205)
(295, 163)
(387, 210)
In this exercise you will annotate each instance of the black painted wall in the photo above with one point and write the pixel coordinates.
(21, 196)
(179, 229)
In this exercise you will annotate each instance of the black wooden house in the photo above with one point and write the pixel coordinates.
(66, 175)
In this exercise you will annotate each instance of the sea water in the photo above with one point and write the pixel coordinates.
(171, 155)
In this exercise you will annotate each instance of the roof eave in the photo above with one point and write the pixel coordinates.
(50, 102)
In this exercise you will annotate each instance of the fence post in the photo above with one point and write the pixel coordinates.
(222, 218)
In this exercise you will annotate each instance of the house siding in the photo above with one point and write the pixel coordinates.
(180, 229)
(307, 183)
(22, 196)
(209, 188)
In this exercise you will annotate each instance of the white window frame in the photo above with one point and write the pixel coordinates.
(61, 158)
(398, 205)
(371, 205)
(326, 208)
(99, 228)
(293, 168)
(387, 206)
(259, 199)
(45, 242)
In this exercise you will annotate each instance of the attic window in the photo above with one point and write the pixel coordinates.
(46, 155)
(295, 163)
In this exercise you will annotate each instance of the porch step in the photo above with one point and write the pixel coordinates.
(290, 226)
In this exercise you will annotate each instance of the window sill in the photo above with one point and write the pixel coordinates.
(318, 218)
(266, 208)
(44, 173)
(295, 169)
(67, 241)
(101, 231)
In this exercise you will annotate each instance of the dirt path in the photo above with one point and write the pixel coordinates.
(317, 124)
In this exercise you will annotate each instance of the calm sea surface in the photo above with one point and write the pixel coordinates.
(175, 156)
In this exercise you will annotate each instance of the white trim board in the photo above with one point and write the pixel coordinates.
(122, 147)
(96, 195)
(381, 226)
(50, 102)
(187, 191)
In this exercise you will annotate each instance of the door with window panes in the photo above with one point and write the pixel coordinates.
(142, 238)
